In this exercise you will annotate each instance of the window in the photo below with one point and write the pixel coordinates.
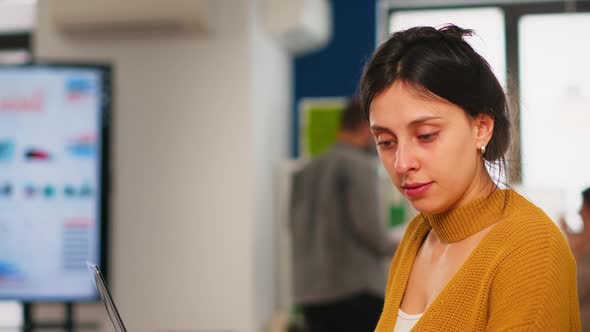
(555, 103)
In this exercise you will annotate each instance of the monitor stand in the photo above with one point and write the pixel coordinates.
(30, 325)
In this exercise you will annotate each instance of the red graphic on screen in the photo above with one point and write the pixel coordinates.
(23, 103)
(35, 154)
(78, 223)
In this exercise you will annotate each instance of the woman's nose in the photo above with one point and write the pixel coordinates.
(405, 159)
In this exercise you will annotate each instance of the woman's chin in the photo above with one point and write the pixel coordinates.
(427, 206)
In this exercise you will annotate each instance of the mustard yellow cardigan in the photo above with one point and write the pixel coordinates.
(521, 276)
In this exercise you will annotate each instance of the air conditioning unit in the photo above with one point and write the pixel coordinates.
(130, 15)
(300, 26)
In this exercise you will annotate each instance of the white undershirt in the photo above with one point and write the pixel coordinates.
(405, 322)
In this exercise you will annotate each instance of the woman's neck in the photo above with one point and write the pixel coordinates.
(482, 186)
(470, 218)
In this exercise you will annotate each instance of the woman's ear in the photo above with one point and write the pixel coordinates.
(483, 129)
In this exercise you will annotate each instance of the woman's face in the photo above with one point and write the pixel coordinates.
(430, 148)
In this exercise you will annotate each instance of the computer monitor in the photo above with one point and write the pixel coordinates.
(54, 176)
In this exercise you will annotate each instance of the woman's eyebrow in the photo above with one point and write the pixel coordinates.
(423, 119)
(379, 129)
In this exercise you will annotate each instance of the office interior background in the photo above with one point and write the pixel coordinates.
(206, 123)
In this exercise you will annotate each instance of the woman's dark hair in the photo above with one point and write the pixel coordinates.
(439, 63)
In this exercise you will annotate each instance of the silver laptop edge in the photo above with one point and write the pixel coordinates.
(106, 298)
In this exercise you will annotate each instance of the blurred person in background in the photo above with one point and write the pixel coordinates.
(478, 257)
(339, 237)
(580, 244)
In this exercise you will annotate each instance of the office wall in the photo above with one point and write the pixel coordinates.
(198, 121)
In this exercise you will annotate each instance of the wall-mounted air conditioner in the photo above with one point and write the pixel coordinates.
(300, 26)
(131, 15)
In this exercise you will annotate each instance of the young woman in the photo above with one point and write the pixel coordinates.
(477, 257)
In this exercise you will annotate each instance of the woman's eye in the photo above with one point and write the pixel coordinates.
(385, 144)
(427, 137)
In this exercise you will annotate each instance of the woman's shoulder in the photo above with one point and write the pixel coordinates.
(524, 216)
(526, 225)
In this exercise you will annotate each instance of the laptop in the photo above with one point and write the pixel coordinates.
(106, 298)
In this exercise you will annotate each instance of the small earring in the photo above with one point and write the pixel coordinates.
(483, 149)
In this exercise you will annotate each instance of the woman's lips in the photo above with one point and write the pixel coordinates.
(416, 190)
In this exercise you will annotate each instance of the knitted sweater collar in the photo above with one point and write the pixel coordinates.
(462, 222)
